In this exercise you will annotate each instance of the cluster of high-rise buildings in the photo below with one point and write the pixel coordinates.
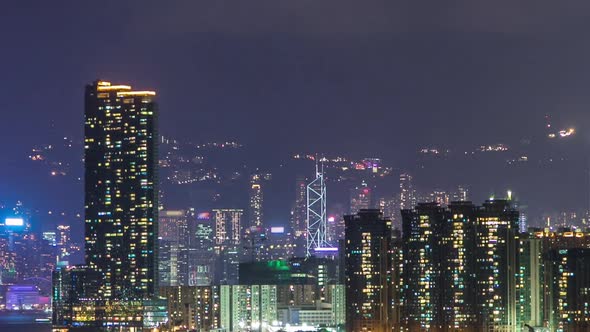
(27, 258)
(446, 265)
(464, 268)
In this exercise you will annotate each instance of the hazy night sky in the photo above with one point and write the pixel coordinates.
(364, 77)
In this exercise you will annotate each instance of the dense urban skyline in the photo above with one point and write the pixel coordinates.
(302, 165)
(404, 77)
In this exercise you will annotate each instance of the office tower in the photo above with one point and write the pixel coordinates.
(256, 200)
(299, 217)
(248, 307)
(316, 235)
(299, 211)
(227, 227)
(437, 273)
(531, 282)
(202, 258)
(173, 247)
(407, 197)
(567, 279)
(497, 241)
(360, 198)
(121, 202)
(367, 270)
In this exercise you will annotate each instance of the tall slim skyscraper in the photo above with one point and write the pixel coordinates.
(316, 213)
(256, 193)
(173, 248)
(407, 196)
(299, 211)
(121, 196)
(367, 270)
(497, 263)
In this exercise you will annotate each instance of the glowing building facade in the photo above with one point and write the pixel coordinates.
(497, 264)
(437, 272)
(367, 272)
(317, 218)
(228, 227)
(173, 248)
(407, 196)
(568, 289)
(256, 200)
(460, 267)
(248, 307)
(120, 155)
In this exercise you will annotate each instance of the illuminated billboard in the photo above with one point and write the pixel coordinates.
(204, 216)
(277, 230)
(14, 222)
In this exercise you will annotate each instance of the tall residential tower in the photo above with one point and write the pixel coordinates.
(121, 207)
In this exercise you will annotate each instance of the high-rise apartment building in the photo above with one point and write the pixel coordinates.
(121, 203)
(248, 307)
(367, 270)
(437, 271)
(567, 278)
(497, 264)
(460, 267)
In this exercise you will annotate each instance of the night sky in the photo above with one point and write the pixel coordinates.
(358, 77)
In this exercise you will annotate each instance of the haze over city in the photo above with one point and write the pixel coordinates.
(389, 103)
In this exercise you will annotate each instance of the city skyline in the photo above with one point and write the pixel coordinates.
(295, 166)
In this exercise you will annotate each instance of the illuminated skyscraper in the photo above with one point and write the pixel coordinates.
(317, 219)
(360, 198)
(567, 278)
(227, 243)
(497, 263)
(367, 270)
(407, 196)
(202, 257)
(121, 203)
(228, 227)
(173, 248)
(530, 283)
(298, 214)
(438, 273)
(256, 200)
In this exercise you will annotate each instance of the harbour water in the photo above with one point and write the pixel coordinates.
(13, 321)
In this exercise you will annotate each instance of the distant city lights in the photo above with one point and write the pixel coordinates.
(14, 222)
